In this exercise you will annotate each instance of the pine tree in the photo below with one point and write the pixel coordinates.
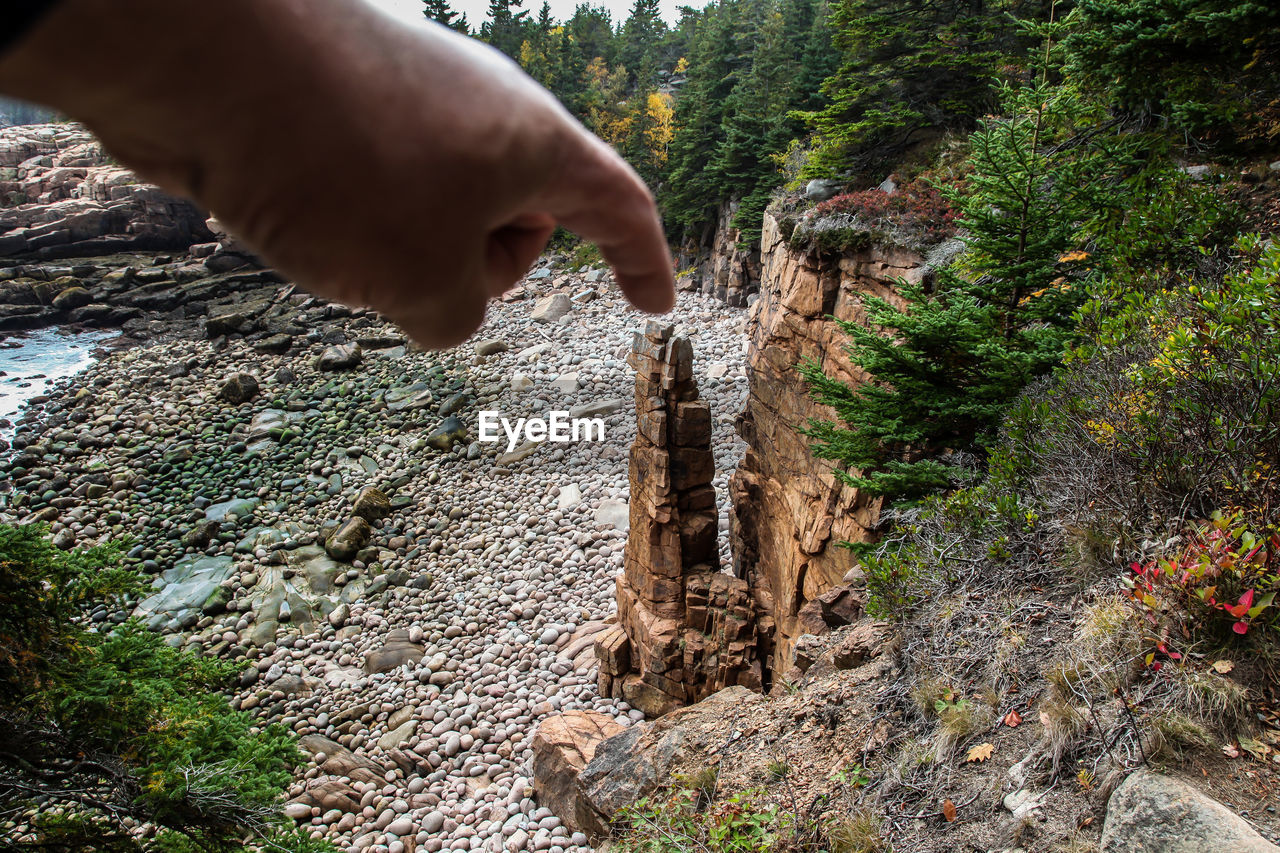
(910, 69)
(639, 43)
(506, 29)
(947, 366)
(693, 191)
(440, 12)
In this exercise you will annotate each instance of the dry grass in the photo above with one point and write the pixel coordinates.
(703, 781)
(1208, 697)
(857, 834)
(1172, 735)
(1075, 844)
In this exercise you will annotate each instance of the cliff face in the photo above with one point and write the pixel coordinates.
(789, 510)
(62, 197)
(729, 273)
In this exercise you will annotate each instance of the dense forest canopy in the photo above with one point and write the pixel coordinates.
(741, 97)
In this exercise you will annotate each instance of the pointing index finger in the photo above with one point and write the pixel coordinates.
(601, 199)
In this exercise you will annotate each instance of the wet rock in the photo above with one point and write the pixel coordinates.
(185, 589)
(371, 505)
(414, 396)
(239, 388)
(72, 297)
(450, 432)
(238, 507)
(348, 539)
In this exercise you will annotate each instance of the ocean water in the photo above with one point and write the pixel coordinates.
(34, 361)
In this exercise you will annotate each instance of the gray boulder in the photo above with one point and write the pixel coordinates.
(821, 189)
(340, 357)
(490, 347)
(1152, 813)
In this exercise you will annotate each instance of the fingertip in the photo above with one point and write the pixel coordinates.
(654, 293)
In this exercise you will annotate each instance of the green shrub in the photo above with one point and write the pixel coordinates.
(102, 728)
(677, 824)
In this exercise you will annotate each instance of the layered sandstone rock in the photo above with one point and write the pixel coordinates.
(61, 196)
(728, 272)
(564, 744)
(685, 630)
(789, 510)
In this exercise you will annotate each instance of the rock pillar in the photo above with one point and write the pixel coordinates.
(685, 630)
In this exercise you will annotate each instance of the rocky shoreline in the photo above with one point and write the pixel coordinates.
(309, 492)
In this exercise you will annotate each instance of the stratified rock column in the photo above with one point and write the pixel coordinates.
(684, 629)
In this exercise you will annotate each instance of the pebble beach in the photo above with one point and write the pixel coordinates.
(413, 656)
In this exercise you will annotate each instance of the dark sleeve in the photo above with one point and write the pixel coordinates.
(17, 17)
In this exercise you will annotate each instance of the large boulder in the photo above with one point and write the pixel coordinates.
(396, 651)
(340, 357)
(642, 759)
(348, 539)
(563, 745)
(1153, 813)
(550, 309)
(239, 388)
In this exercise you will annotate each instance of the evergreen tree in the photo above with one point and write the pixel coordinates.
(639, 42)
(440, 12)
(506, 28)
(1209, 67)
(910, 69)
(947, 366)
(693, 191)
(106, 731)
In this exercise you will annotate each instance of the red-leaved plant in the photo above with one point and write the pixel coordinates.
(913, 207)
(1224, 572)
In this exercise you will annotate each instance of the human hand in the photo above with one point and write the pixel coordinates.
(408, 169)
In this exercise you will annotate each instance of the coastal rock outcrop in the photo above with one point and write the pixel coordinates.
(789, 510)
(61, 196)
(685, 629)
